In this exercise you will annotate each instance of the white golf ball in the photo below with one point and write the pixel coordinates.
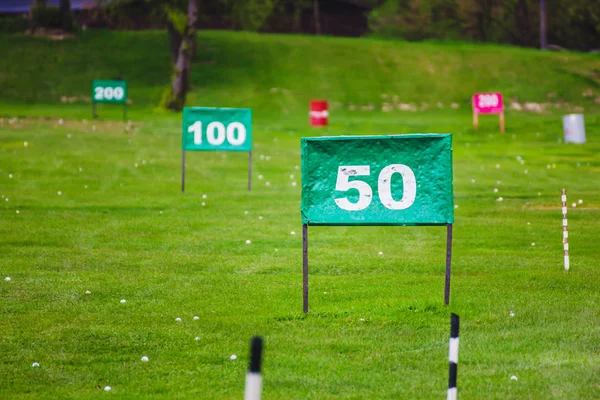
(267, 158)
(455, 206)
(248, 242)
(145, 359)
(107, 388)
(580, 201)
(88, 292)
(574, 205)
(260, 177)
(123, 301)
(203, 204)
(260, 217)
(495, 190)
(292, 233)
(246, 212)
(292, 176)
(60, 121)
(533, 243)
(204, 196)
(233, 357)
(59, 192)
(7, 279)
(196, 318)
(472, 180)
(197, 337)
(514, 378)
(10, 176)
(18, 212)
(380, 253)
(35, 365)
(25, 144)
(512, 314)
(268, 183)
(178, 319)
(294, 183)
(499, 199)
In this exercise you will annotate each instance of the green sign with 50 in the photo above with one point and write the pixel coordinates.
(377, 180)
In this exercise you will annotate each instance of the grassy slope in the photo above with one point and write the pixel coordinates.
(131, 234)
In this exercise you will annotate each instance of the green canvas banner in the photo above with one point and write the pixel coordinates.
(377, 180)
(223, 129)
(107, 91)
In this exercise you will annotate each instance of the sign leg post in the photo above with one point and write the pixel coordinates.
(475, 120)
(502, 122)
(448, 263)
(249, 170)
(182, 171)
(305, 267)
(125, 111)
(94, 110)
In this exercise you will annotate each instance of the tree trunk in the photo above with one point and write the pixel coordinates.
(317, 17)
(181, 79)
(543, 41)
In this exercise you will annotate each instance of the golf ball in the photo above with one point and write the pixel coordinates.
(123, 301)
(294, 183)
(196, 318)
(204, 196)
(18, 212)
(88, 292)
(233, 357)
(145, 359)
(107, 388)
(512, 314)
(292, 233)
(268, 183)
(248, 242)
(25, 144)
(7, 279)
(514, 378)
(10, 176)
(178, 319)
(35, 365)
(380, 253)
(59, 192)
(580, 201)
(197, 337)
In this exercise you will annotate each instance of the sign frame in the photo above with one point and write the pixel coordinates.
(119, 83)
(306, 222)
(185, 130)
(495, 110)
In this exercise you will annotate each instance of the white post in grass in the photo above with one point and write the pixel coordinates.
(565, 229)
(253, 377)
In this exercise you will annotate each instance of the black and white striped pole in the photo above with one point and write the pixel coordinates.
(453, 356)
(253, 377)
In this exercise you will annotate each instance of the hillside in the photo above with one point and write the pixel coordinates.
(280, 73)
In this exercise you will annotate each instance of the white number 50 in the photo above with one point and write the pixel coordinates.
(365, 193)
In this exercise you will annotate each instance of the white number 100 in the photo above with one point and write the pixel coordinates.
(216, 133)
(365, 193)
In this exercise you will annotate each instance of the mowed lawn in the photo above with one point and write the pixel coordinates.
(97, 206)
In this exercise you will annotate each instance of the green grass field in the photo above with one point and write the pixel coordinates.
(121, 228)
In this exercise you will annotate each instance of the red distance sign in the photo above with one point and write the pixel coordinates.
(488, 103)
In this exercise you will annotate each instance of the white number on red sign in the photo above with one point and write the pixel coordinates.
(216, 133)
(108, 93)
(384, 185)
(487, 100)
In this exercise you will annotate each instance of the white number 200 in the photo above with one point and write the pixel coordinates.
(365, 193)
(108, 93)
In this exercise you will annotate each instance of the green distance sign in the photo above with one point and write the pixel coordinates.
(107, 91)
(223, 129)
(377, 180)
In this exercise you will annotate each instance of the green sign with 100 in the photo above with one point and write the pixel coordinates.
(109, 91)
(377, 180)
(224, 129)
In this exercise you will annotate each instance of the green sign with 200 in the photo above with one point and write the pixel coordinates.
(377, 180)
(109, 91)
(224, 129)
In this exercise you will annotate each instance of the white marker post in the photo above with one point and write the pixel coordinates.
(253, 377)
(565, 229)
(453, 356)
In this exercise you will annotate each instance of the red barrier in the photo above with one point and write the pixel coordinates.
(319, 113)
